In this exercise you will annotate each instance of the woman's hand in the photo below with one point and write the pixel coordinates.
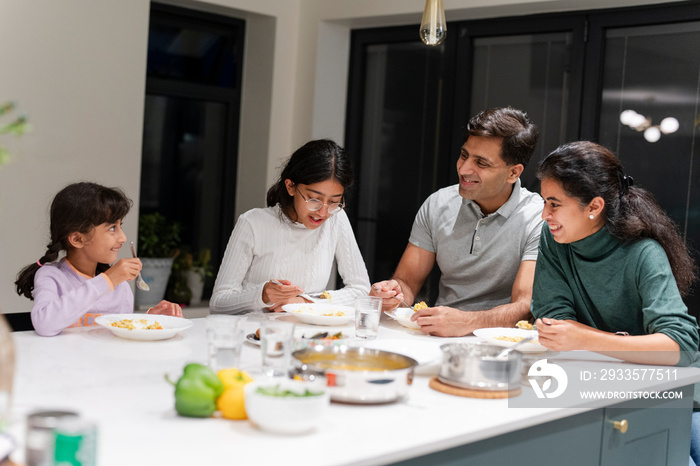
(387, 290)
(123, 270)
(278, 294)
(166, 308)
(564, 335)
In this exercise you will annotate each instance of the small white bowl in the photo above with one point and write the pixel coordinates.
(403, 316)
(286, 414)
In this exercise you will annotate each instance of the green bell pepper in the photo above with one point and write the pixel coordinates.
(196, 391)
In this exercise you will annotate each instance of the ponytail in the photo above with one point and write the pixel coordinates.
(640, 216)
(25, 278)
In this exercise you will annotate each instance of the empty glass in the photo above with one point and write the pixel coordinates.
(224, 339)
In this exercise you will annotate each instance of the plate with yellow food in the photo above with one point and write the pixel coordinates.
(506, 336)
(402, 315)
(143, 326)
(320, 313)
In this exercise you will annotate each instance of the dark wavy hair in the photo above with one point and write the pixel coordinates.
(519, 133)
(587, 170)
(314, 162)
(77, 207)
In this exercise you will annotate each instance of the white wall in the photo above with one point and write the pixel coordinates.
(77, 69)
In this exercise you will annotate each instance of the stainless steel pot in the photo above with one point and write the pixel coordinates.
(473, 365)
(357, 375)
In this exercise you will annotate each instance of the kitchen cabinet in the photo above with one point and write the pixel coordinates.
(657, 435)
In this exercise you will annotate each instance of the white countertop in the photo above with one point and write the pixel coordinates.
(120, 385)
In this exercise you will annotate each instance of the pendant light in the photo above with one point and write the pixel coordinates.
(433, 29)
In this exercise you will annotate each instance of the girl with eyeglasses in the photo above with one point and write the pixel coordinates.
(282, 253)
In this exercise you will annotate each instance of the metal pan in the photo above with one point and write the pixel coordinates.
(357, 375)
(473, 365)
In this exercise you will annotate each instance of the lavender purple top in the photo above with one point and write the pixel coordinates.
(64, 297)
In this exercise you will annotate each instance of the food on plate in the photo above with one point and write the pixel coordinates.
(231, 403)
(326, 295)
(257, 335)
(525, 325)
(512, 339)
(325, 336)
(133, 324)
(277, 390)
(420, 305)
(197, 391)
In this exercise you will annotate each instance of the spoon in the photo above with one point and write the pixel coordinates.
(140, 283)
(511, 348)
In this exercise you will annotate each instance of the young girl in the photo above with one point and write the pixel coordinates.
(86, 222)
(612, 267)
(277, 253)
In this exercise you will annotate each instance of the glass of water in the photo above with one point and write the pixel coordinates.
(224, 339)
(276, 340)
(367, 312)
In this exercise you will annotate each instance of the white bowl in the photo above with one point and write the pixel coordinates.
(403, 316)
(286, 414)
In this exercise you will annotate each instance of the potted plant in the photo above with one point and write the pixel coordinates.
(157, 249)
(186, 283)
(197, 272)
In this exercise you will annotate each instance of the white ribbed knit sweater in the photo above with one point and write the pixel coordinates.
(266, 244)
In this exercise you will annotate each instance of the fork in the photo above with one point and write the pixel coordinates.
(140, 282)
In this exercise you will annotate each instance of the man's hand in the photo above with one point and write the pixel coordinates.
(445, 321)
(390, 292)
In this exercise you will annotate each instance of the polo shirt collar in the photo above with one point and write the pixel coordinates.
(506, 209)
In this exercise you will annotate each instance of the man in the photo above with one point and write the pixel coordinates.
(483, 233)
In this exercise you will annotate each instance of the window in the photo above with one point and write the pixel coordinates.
(191, 119)
(572, 73)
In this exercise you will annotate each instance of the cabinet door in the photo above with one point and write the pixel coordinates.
(656, 435)
(573, 441)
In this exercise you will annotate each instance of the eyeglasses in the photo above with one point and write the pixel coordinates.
(315, 205)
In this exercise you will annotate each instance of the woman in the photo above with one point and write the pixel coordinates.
(278, 254)
(612, 267)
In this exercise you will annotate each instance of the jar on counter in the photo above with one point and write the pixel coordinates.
(40, 436)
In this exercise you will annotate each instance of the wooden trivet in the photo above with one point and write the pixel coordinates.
(436, 384)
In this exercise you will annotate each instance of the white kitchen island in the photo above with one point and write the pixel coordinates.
(120, 385)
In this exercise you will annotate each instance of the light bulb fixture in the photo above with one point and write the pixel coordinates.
(652, 133)
(433, 29)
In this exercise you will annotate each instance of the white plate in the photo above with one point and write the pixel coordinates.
(171, 326)
(490, 334)
(250, 338)
(313, 313)
(427, 353)
(403, 316)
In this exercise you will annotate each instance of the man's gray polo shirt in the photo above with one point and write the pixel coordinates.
(478, 255)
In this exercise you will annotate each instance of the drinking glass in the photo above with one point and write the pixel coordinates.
(276, 340)
(224, 338)
(367, 312)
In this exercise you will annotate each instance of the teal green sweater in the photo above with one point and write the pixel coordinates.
(613, 286)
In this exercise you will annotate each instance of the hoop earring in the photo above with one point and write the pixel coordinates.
(591, 216)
